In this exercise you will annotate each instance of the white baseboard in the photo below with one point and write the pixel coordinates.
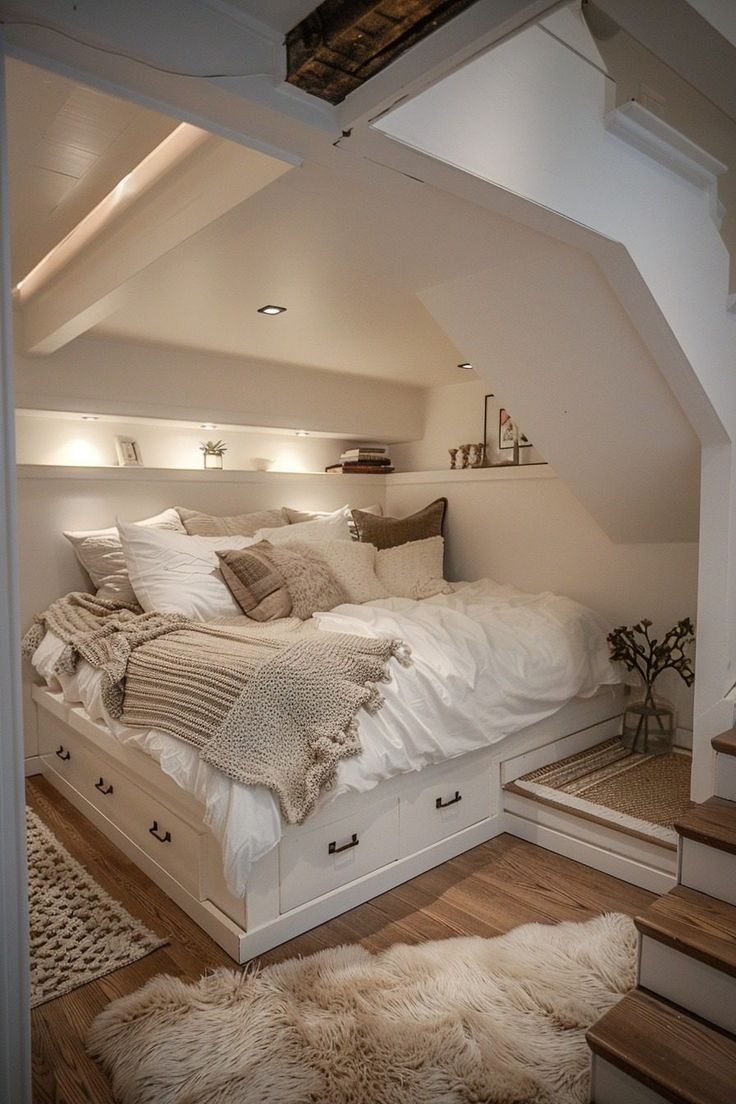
(32, 765)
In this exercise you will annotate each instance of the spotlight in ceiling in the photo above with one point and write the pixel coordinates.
(465, 364)
(90, 417)
(207, 425)
(302, 432)
(270, 308)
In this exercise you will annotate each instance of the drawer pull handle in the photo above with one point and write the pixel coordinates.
(103, 788)
(440, 804)
(333, 849)
(62, 753)
(166, 838)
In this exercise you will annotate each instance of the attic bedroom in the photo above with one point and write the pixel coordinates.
(370, 488)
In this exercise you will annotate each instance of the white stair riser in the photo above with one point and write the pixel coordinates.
(612, 1086)
(708, 870)
(691, 984)
(726, 776)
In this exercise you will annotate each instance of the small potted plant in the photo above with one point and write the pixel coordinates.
(650, 721)
(213, 452)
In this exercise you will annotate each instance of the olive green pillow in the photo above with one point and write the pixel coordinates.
(388, 532)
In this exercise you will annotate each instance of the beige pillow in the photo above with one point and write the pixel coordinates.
(352, 564)
(198, 524)
(388, 532)
(100, 553)
(255, 582)
(312, 586)
(413, 570)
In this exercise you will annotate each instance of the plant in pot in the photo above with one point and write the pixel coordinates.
(213, 452)
(649, 723)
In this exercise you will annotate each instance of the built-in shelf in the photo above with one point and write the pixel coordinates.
(196, 475)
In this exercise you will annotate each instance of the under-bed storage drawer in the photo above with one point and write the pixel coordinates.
(314, 862)
(456, 795)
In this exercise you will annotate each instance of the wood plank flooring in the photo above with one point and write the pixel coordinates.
(484, 892)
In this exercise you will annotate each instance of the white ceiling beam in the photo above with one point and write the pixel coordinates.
(214, 178)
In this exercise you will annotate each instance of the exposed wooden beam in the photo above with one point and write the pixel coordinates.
(339, 45)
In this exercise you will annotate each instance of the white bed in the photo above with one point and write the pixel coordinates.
(488, 662)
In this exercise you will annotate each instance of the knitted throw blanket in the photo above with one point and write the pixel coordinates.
(270, 704)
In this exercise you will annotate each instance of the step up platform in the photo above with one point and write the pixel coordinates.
(688, 954)
(646, 1051)
(708, 849)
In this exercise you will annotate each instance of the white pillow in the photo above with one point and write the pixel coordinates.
(331, 527)
(100, 553)
(413, 570)
(176, 573)
(352, 564)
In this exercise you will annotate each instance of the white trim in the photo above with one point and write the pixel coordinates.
(189, 475)
(473, 475)
(572, 801)
(32, 765)
(15, 1040)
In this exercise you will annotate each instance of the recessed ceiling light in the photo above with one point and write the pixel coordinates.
(270, 308)
(90, 417)
(208, 425)
(302, 432)
(465, 364)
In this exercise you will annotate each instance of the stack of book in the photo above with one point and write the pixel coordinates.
(370, 459)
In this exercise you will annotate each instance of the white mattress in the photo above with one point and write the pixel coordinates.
(488, 661)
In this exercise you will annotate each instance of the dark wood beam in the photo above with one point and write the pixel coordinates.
(342, 43)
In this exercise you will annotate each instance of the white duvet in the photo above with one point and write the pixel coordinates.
(488, 661)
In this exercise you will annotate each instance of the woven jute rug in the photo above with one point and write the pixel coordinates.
(646, 793)
(446, 1022)
(78, 932)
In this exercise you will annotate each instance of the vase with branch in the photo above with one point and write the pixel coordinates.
(650, 722)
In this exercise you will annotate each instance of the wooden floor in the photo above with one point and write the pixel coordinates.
(485, 892)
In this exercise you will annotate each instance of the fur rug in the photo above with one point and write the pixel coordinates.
(458, 1021)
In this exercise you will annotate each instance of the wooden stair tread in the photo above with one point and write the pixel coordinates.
(682, 1058)
(543, 799)
(713, 822)
(695, 924)
(726, 742)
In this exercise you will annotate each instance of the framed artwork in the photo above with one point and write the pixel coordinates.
(507, 430)
(129, 452)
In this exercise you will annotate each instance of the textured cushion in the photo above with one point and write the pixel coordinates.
(413, 570)
(331, 527)
(100, 553)
(388, 532)
(176, 573)
(239, 525)
(312, 586)
(255, 582)
(352, 564)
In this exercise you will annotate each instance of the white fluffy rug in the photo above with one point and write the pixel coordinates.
(451, 1022)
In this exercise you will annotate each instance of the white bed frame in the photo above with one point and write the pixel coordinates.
(352, 849)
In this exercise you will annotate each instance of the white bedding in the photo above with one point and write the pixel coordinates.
(488, 661)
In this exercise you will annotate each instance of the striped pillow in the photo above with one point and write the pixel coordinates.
(255, 583)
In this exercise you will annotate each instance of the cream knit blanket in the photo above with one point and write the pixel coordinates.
(273, 704)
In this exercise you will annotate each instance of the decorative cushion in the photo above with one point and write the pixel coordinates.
(296, 516)
(388, 532)
(239, 525)
(176, 573)
(255, 582)
(312, 586)
(331, 527)
(352, 564)
(100, 553)
(413, 570)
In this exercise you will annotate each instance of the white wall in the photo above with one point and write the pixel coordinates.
(121, 378)
(73, 441)
(526, 527)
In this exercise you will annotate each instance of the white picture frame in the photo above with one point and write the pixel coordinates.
(129, 452)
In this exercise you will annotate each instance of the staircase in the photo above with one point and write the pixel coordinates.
(674, 1038)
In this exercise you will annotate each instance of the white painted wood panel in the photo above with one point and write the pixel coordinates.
(612, 1086)
(463, 789)
(708, 870)
(694, 985)
(725, 785)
